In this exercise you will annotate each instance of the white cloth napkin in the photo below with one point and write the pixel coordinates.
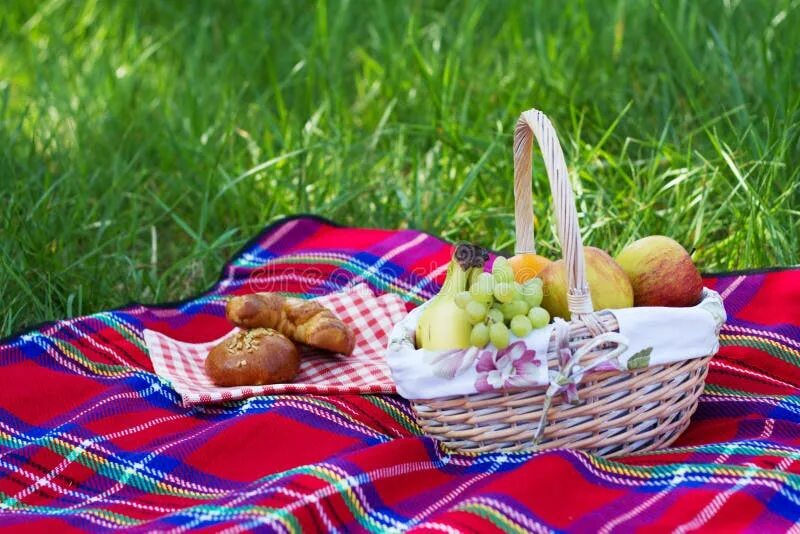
(647, 336)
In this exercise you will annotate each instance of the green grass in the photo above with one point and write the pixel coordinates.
(142, 142)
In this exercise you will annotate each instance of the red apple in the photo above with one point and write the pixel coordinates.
(661, 272)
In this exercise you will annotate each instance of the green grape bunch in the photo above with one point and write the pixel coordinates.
(498, 307)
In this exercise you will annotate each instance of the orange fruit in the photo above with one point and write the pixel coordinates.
(527, 265)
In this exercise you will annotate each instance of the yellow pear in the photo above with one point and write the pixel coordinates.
(608, 284)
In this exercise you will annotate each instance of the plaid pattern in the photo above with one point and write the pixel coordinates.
(91, 438)
(364, 371)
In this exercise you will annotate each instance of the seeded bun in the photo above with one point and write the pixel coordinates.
(253, 358)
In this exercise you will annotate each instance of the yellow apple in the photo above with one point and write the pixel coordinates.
(608, 284)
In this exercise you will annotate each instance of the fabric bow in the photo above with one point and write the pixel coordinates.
(570, 372)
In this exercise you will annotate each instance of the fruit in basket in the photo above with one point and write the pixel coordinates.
(521, 325)
(479, 337)
(474, 307)
(443, 325)
(494, 316)
(499, 335)
(526, 265)
(608, 284)
(504, 292)
(532, 292)
(482, 288)
(538, 317)
(463, 298)
(476, 311)
(474, 274)
(514, 308)
(502, 271)
(661, 272)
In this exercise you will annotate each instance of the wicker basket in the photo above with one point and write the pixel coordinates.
(619, 411)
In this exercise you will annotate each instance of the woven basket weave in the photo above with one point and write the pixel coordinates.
(620, 411)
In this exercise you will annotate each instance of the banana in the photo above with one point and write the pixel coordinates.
(443, 325)
(473, 275)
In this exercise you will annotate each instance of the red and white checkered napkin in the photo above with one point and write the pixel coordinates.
(365, 371)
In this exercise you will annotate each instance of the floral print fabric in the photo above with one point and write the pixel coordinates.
(515, 366)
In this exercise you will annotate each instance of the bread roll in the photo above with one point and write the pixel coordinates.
(304, 321)
(253, 358)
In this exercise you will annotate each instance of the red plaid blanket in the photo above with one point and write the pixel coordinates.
(91, 437)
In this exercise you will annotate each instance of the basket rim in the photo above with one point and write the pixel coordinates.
(410, 364)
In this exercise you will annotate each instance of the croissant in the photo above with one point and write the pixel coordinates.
(304, 321)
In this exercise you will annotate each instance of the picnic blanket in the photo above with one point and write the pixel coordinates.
(91, 437)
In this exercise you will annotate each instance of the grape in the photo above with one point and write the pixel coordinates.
(535, 281)
(462, 298)
(483, 288)
(515, 307)
(502, 271)
(516, 289)
(498, 334)
(504, 292)
(539, 317)
(479, 336)
(494, 316)
(476, 311)
(532, 293)
(521, 325)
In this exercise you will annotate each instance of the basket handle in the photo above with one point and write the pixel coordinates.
(535, 123)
